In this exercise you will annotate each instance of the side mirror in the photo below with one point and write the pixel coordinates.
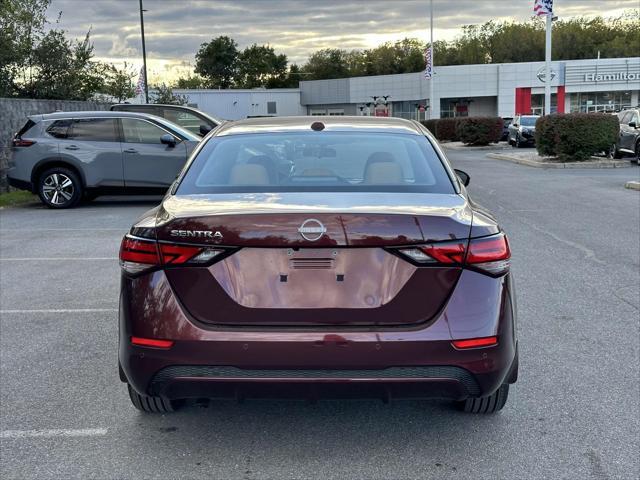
(463, 177)
(204, 129)
(168, 140)
(633, 125)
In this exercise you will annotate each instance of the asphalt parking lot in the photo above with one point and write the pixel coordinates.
(573, 414)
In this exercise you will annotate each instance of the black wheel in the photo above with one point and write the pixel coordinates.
(613, 152)
(59, 187)
(638, 153)
(518, 142)
(491, 404)
(148, 404)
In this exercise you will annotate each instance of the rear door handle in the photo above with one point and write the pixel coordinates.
(72, 147)
(130, 150)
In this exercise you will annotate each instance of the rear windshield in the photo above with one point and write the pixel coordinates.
(316, 161)
(528, 121)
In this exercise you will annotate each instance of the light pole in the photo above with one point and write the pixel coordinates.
(144, 55)
(431, 80)
(547, 65)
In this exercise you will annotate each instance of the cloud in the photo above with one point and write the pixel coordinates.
(176, 29)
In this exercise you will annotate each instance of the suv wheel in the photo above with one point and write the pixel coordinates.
(59, 187)
(518, 143)
(613, 152)
(148, 404)
(491, 404)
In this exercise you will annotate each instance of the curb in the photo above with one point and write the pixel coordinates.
(633, 185)
(537, 164)
(461, 147)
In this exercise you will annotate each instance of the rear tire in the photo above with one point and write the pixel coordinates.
(148, 404)
(491, 404)
(518, 143)
(637, 153)
(59, 187)
(614, 153)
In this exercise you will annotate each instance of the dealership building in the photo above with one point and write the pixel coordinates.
(506, 89)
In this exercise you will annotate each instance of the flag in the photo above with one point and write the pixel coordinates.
(141, 82)
(543, 7)
(428, 70)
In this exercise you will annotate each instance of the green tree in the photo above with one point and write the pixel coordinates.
(119, 82)
(260, 66)
(190, 82)
(21, 26)
(404, 56)
(62, 69)
(216, 62)
(164, 94)
(328, 63)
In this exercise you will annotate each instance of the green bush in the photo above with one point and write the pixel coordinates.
(545, 135)
(431, 125)
(576, 136)
(446, 129)
(479, 130)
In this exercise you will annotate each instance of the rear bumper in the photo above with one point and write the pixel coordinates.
(418, 362)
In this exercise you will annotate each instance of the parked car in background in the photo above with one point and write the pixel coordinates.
(522, 130)
(188, 118)
(318, 255)
(629, 139)
(505, 128)
(67, 155)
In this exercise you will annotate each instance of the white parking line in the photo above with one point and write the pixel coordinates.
(49, 259)
(85, 432)
(62, 310)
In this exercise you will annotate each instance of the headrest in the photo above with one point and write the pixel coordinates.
(245, 174)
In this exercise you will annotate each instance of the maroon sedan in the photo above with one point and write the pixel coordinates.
(314, 257)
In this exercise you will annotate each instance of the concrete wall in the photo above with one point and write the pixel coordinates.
(13, 115)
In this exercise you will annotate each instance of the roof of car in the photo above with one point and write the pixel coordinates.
(92, 114)
(152, 105)
(329, 123)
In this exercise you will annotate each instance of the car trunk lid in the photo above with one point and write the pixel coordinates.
(281, 275)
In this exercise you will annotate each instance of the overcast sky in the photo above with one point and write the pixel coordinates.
(175, 28)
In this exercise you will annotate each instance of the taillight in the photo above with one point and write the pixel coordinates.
(489, 254)
(139, 254)
(19, 142)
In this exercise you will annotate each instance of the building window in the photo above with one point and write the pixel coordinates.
(317, 112)
(410, 109)
(454, 107)
(537, 103)
(336, 111)
(599, 101)
(271, 108)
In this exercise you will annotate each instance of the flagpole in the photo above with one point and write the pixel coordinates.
(144, 56)
(431, 80)
(547, 66)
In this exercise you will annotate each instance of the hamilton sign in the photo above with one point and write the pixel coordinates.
(611, 77)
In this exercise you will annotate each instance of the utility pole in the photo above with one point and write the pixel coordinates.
(431, 80)
(144, 55)
(547, 65)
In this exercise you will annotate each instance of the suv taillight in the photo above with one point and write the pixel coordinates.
(140, 254)
(488, 254)
(19, 142)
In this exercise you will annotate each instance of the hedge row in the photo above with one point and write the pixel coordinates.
(575, 136)
(469, 130)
